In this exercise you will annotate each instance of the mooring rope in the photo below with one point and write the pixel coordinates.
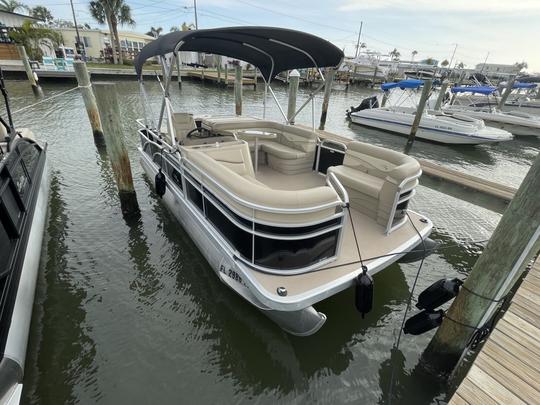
(47, 99)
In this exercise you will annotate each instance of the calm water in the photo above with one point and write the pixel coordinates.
(132, 313)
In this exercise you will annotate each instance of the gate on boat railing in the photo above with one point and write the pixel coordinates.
(268, 246)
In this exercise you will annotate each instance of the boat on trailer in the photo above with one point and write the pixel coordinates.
(285, 217)
(436, 126)
(24, 189)
(515, 122)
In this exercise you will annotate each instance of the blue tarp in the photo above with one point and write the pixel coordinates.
(487, 90)
(521, 85)
(403, 84)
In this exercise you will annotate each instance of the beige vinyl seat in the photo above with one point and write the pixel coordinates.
(230, 166)
(291, 152)
(377, 180)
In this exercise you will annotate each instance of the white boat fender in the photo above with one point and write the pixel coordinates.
(161, 183)
(364, 292)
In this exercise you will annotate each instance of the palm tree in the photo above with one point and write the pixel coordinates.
(12, 5)
(413, 54)
(155, 32)
(113, 12)
(174, 28)
(42, 13)
(395, 54)
(445, 63)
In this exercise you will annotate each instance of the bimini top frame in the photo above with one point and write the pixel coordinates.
(271, 50)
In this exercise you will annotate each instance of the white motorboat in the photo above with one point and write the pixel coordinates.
(24, 189)
(436, 126)
(515, 122)
(285, 218)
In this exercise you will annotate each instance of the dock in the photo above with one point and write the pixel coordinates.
(212, 76)
(507, 369)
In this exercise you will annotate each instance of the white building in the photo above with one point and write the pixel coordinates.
(494, 69)
(8, 19)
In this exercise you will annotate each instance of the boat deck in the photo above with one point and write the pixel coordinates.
(279, 181)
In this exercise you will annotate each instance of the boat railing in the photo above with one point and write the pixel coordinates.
(324, 232)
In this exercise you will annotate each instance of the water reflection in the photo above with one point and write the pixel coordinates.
(61, 354)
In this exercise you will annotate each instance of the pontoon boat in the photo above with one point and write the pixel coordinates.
(436, 126)
(24, 188)
(285, 218)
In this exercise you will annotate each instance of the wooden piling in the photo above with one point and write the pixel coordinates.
(32, 77)
(111, 121)
(294, 81)
(384, 98)
(419, 112)
(238, 89)
(178, 65)
(442, 92)
(507, 91)
(226, 79)
(326, 99)
(83, 79)
(511, 247)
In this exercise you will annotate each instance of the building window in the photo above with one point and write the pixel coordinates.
(86, 41)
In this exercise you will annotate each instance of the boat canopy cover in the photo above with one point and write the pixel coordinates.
(487, 90)
(403, 84)
(521, 85)
(272, 50)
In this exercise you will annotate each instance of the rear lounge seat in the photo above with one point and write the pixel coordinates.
(379, 181)
(230, 165)
(291, 152)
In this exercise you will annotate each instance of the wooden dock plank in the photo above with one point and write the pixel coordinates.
(460, 401)
(508, 367)
(506, 378)
(492, 387)
(522, 370)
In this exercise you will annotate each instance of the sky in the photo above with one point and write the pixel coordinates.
(509, 30)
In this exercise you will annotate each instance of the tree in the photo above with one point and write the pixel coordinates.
(155, 32)
(32, 37)
(521, 66)
(12, 6)
(42, 13)
(395, 54)
(429, 61)
(112, 12)
(445, 63)
(413, 54)
(460, 65)
(174, 28)
(187, 27)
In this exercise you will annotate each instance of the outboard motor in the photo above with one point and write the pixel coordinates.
(161, 183)
(370, 102)
(364, 292)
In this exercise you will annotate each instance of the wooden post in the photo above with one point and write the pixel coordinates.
(255, 78)
(294, 81)
(458, 83)
(384, 98)
(38, 92)
(538, 93)
(507, 91)
(238, 89)
(442, 92)
(419, 112)
(226, 81)
(83, 79)
(513, 243)
(178, 65)
(218, 66)
(107, 102)
(326, 99)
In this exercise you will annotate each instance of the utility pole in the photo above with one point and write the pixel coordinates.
(195, 9)
(452, 58)
(358, 42)
(484, 65)
(79, 44)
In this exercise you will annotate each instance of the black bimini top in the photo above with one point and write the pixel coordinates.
(272, 50)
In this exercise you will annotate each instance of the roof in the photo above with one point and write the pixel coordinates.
(403, 84)
(486, 90)
(21, 15)
(272, 50)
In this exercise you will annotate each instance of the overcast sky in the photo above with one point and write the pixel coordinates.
(508, 29)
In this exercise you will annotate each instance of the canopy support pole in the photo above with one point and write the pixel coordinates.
(278, 104)
(167, 78)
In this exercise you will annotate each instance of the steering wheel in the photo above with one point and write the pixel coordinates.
(199, 131)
